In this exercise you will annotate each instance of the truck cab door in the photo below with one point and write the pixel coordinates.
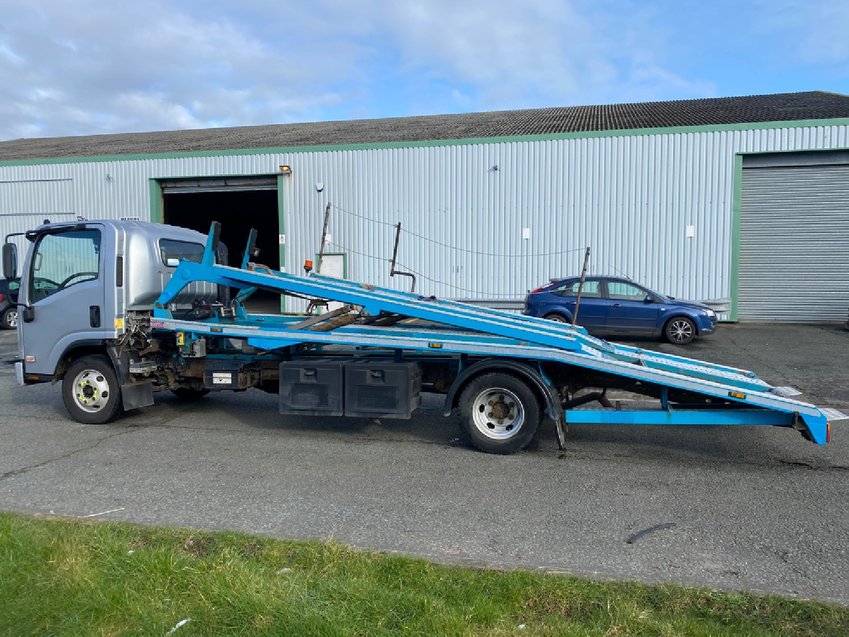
(63, 294)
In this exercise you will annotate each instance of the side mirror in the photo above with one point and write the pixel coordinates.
(649, 299)
(10, 260)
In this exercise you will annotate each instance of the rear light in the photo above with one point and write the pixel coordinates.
(827, 432)
(537, 290)
(1, 297)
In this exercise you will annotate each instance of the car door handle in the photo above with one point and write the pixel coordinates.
(615, 305)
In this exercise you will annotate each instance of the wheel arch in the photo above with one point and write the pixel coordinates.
(566, 314)
(133, 394)
(524, 371)
(75, 351)
(672, 317)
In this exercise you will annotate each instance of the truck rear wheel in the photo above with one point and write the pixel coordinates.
(499, 413)
(91, 391)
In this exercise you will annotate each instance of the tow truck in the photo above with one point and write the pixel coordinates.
(119, 310)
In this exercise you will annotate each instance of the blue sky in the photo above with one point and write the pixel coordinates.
(77, 67)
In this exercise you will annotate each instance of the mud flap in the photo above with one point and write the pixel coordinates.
(133, 395)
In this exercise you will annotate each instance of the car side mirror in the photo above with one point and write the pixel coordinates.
(10, 260)
(649, 299)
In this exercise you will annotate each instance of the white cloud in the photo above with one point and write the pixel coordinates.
(537, 52)
(87, 66)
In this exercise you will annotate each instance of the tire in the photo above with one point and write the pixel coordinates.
(489, 396)
(557, 318)
(189, 394)
(91, 391)
(9, 319)
(680, 330)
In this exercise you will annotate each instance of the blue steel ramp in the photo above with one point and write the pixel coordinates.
(375, 317)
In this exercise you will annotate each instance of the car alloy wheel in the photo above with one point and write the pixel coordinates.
(681, 331)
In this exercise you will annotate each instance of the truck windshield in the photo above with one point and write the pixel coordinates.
(62, 260)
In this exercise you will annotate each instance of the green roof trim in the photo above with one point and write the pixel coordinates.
(633, 132)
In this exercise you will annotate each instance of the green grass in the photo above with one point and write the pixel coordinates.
(72, 577)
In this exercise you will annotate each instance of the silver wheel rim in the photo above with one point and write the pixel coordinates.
(680, 331)
(12, 319)
(91, 390)
(497, 413)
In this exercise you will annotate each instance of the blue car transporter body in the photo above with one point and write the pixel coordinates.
(563, 366)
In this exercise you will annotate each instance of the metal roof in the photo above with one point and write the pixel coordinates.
(811, 105)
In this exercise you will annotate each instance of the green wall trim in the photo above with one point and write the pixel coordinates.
(157, 214)
(736, 206)
(440, 142)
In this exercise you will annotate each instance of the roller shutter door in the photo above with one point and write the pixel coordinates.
(217, 184)
(794, 243)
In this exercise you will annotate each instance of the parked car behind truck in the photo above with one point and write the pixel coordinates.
(9, 303)
(617, 306)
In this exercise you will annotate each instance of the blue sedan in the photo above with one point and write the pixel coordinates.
(620, 307)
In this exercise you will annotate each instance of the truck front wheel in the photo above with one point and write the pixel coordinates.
(91, 391)
(499, 413)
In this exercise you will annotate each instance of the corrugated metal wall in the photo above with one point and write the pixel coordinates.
(463, 208)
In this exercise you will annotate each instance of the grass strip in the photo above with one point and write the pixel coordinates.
(75, 577)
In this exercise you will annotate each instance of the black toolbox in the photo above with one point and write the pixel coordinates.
(382, 389)
(378, 388)
(311, 388)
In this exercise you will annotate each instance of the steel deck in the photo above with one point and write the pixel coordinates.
(450, 327)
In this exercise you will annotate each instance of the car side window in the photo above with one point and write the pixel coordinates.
(592, 289)
(621, 291)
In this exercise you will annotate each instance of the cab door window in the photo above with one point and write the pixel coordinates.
(63, 260)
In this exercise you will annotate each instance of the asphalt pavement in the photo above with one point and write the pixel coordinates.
(754, 508)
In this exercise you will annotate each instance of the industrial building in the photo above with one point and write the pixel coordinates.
(741, 201)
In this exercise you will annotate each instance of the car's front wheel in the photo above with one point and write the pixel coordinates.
(9, 319)
(680, 330)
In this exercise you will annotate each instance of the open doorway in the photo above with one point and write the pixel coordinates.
(196, 204)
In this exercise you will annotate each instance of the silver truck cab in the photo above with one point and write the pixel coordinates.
(81, 279)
